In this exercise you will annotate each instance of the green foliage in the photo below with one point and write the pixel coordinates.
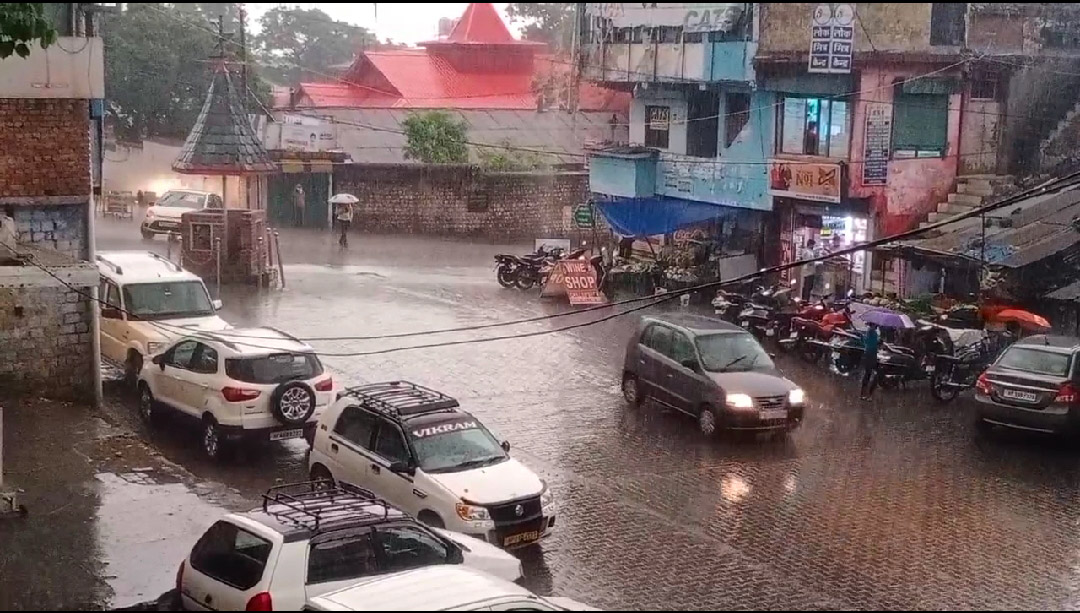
(549, 22)
(435, 137)
(507, 159)
(21, 24)
(296, 44)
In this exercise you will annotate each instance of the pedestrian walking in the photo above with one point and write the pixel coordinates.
(871, 341)
(299, 204)
(344, 220)
(809, 271)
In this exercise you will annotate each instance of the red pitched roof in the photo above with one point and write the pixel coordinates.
(481, 24)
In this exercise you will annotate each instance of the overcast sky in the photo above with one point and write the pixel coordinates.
(404, 23)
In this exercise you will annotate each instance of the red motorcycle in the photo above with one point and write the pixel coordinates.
(816, 323)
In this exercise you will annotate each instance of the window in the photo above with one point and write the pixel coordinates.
(390, 443)
(356, 426)
(460, 443)
(984, 89)
(657, 126)
(206, 361)
(170, 300)
(736, 116)
(947, 23)
(215, 202)
(346, 554)
(405, 547)
(920, 124)
(274, 368)
(231, 555)
(1036, 361)
(181, 355)
(815, 126)
(658, 338)
(181, 199)
(732, 352)
(703, 124)
(112, 295)
(681, 349)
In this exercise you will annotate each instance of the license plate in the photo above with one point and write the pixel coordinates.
(794, 334)
(929, 368)
(774, 414)
(744, 323)
(284, 435)
(836, 355)
(1020, 395)
(520, 539)
(770, 332)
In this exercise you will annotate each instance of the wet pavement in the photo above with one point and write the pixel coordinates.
(883, 505)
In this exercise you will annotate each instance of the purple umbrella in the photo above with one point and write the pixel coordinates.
(887, 319)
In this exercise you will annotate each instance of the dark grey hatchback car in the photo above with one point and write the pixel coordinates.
(711, 370)
(1033, 385)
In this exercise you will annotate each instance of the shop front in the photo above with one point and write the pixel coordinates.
(811, 204)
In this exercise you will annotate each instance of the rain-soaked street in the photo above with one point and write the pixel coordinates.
(893, 504)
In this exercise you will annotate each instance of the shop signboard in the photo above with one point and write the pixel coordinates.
(575, 279)
(690, 16)
(832, 39)
(729, 184)
(878, 141)
(300, 133)
(583, 217)
(819, 182)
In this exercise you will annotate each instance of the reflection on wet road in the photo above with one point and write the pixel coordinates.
(888, 504)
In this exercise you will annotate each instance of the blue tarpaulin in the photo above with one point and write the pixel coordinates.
(650, 216)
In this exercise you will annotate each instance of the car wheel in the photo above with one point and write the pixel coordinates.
(211, 439)
(147, 411)
(293, 403)
(631, 390)
(707, 421)
(321, 473)
(132, 367)
(431, 518)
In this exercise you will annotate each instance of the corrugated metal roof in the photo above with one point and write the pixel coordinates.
(1016, 236)
(1070, 292)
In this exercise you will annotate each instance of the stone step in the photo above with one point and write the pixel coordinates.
(980, 188)
(953, 208)
(986, 177)
(965, 199)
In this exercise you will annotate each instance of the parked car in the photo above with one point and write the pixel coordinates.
(310, 539)
(149, 301)
(416, 448)
(439, 588)
(1033, 385)
(712, 370)
(252, 383)
(164, 216)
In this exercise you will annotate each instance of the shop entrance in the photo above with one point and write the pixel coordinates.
(832, 228)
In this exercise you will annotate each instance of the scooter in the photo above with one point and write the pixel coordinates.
(959, 372)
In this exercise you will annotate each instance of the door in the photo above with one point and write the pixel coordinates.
(280, 199)
(682, 381)
(404, 547)
(390, 447)
(112, 324)
(226, 568)
(655, 347)
(336, 559)
(193, 384)
(171, 380)
(351, 441)
(980, 127)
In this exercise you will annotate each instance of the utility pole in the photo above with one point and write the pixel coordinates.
(575, 58)
(243, 57)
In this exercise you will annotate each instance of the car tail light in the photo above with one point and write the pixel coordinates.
(180, 577)
(325, 385)
(260, 602)
(982, 385)
(239, 394)
(1067, 394)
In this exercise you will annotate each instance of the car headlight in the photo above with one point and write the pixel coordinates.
(153, 347)
(740, 401)
(796, 396)
(470, 512)
(547, 499)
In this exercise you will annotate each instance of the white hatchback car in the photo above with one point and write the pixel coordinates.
(309, 539)
(439, 588)
(253, 383)
(417, 449)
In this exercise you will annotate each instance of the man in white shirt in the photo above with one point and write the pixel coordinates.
(809, 271)
(344, 220)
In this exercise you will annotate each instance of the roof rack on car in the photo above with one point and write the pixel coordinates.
(116, 267)
(311, 504)
(157, 256)
(284, 334)
(401, 398)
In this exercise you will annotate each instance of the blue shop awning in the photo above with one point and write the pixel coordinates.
(650, 216)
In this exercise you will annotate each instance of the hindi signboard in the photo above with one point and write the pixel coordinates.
(832, 39)
(878, 139)
(806, 180)
(575, 279)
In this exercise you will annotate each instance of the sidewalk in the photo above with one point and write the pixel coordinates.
(108, 518)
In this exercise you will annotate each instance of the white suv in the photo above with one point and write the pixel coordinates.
(254, 383)
(313, 538)
(166, 215)
(414, 447)
(147, 302)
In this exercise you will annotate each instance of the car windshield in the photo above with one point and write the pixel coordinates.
(187, 200)
(167, 300)
(454, 445)
(1029, 359)
(732, 352)
(275, 368)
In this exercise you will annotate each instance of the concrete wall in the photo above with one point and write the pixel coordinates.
(659, 96)
(45, 345)
(785, 27)
(463, 201)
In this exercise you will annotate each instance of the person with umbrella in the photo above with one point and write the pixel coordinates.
(874, 319)
(343, 213)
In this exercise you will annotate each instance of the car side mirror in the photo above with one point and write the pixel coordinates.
(690, 363)
(505, 446)
(402, 468)
(772, 354)
(110, 313)
(218, 304)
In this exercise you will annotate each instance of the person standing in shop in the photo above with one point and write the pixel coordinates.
(810, 270)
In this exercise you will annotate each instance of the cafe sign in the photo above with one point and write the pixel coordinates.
(815, 181)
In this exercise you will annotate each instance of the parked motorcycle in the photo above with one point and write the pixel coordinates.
(955, 373)
(729, 304)
(812, 329)
(897, 365)
(845, 349)
(759, 315)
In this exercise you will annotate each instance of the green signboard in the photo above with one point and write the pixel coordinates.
(583, 216)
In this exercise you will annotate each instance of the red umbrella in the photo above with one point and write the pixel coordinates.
(1026, 319)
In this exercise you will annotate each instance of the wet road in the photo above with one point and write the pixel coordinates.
(886, 505)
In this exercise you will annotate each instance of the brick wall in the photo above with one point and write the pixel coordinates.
(44, 147)
(45, 345)
(463, 201)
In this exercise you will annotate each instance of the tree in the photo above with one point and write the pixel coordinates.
(296, 43)
(505, 158)
(21, 24)
(435, 137)
(549, 22)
